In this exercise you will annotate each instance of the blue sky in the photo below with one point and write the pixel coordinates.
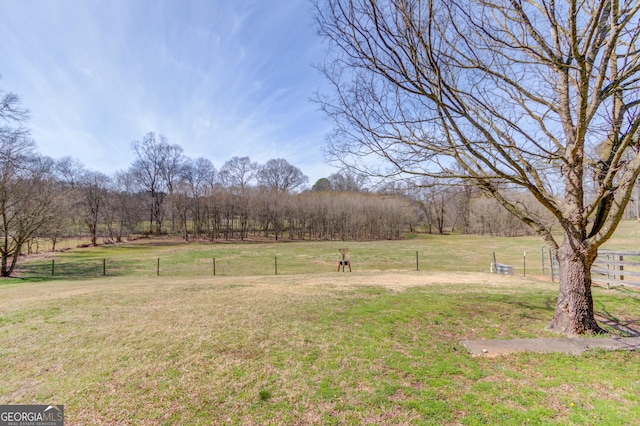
(221, 78)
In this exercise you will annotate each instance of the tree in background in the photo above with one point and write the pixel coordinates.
(67, 172)
(538, 95)
(346, 181)
(321, 184)
(150, 171)
(27, 190)
(94, 188)
(278, 174)
(436, 200)
(197, 177)
(171, 165)
(125, 205)
(237, 173)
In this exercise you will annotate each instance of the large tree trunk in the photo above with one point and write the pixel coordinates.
(4, 270)
(574, 311)
(7, 268)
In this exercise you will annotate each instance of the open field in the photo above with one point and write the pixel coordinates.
(370, 347)
(455, 253)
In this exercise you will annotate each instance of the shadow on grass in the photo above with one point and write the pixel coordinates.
(80, 270)
(607, 312)
(620, 312)
(533, 304)
(15, 279)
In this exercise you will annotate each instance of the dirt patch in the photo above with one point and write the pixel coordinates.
(399, 281)
(18, 293)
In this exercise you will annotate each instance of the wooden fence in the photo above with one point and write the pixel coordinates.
(617, 268)
(610, 268)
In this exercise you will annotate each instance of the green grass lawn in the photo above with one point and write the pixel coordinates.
(465, 253)
(378, 346)
(456, 253)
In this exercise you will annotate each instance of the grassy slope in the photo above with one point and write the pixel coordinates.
(326, 348)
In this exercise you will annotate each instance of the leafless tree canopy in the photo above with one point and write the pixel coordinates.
(54, 199)
(156, 168)
(26, 189)
(280, 175)
(534, 94)
(238, 172)
(11, 110)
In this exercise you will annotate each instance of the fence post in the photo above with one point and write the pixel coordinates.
(214, 266)
(276, 263)
(524, 264)
(104, 267)
(158, 269)
(621, 268)
(53, 267)
(417, 264)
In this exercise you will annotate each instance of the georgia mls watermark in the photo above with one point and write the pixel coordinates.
(31, 415)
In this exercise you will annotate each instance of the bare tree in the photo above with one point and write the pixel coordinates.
(437, 199)
(27, 192)
(27, 197)
(237, 173)
(181, 203)
(278, 174)
(125, 205)
(197, 177)
(347, 181)
(11, 109)
(171, 165)
(93, 188)
(67, 172)
(536, 94)
(463, 210)
(149, 170)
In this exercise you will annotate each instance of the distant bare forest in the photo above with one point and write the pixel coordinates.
(164, 192)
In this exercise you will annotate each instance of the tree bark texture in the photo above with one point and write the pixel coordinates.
(574, 312)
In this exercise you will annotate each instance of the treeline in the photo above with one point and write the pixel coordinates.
(449, 206)
(165, 192)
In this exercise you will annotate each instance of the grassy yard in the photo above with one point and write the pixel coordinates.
(460, 253)
(174, 257)
(377, 346)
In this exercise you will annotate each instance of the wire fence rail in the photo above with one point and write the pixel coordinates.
(250, 264)
(610, 268)
(58, 268)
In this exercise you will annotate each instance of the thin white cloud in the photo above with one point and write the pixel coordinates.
(219, 78)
